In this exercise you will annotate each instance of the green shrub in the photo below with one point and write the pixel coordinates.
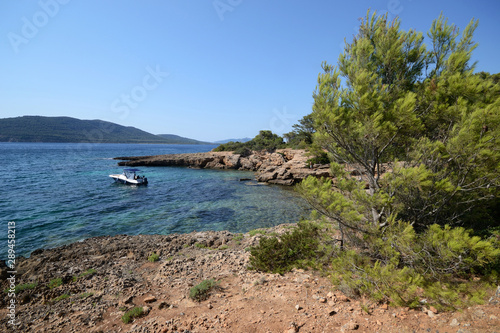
(321, 158)
(279, 255)
(135, 312)
(403, 267)
(60, 298)
(88, 272)
(256, 231)
(265, 140)
(243, 151)
(21, 287)
(201, 291)
(153, 257)
(223, 247)
(358, 275)
(453, 251)
(85, 295)
(238, 237)
(200, 245)
(55, 283)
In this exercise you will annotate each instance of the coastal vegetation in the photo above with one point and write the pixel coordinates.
(281, 254)
(201, 291)
(302, 134)
(265, 140)
(55, 283)
(153, 257)
(60, 298)
(21, 287)
(88, 272)
(257, 231)
(86, 294)
(412, 132)
(300, 138)
(135, 312)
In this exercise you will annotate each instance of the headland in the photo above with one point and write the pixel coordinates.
(283, 167)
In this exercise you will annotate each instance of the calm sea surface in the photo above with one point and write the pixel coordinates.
(59, 193)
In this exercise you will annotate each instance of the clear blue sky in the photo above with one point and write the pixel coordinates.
(208, 70)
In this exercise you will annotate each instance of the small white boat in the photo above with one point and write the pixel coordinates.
(130, 177)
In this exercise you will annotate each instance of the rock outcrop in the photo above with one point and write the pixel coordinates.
(284, 166)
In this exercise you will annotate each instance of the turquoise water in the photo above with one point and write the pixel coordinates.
(59, 193)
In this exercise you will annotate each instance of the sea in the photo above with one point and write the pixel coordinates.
(54, 194)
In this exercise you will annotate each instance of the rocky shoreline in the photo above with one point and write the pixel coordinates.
(88, 286)
(284, 166)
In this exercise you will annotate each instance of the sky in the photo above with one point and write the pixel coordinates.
(208, 70)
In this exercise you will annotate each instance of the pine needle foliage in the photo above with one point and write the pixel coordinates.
(135, 312)
(291, 249)
(413, 136)
(202, 290)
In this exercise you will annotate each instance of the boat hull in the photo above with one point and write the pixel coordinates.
(127, 181)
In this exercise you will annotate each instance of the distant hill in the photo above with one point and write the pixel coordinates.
(67, 129)
(181, 140)
(234, 140)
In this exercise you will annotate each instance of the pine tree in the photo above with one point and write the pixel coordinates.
(414, 137)
(415, 125)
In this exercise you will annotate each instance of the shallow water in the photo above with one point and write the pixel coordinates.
(58, 193)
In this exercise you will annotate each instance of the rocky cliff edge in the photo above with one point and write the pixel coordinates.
(284, 166)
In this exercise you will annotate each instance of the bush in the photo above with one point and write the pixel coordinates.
(21, 287)
(358, 275)
(88, 272)
(238, 237)
(85, 295)
(243, 151)
(265, 140)
(280, 255)
(201, 291)
(321, 158)
(153, 257)
(55, 283)
(256, 231)
(453, 251)
(231, 146)
(402, 267)
(60, 298)
(131, 314)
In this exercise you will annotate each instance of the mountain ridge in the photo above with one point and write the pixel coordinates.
(68, 129)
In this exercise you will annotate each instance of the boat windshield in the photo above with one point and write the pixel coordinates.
(130, 173)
